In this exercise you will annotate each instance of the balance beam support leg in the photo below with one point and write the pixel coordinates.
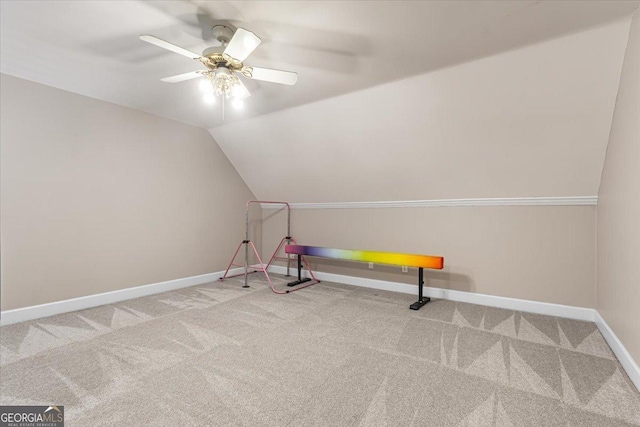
(300, 279)
(421, 300)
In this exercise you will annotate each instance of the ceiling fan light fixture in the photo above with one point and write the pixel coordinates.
(237, 103)
(209, 98)
(206, 86)
(251, 43)
(236, 91)
(224, 82)
(222, 65)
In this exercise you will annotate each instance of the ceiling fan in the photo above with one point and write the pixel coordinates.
(224, 62)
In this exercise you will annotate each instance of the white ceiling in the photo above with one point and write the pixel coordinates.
(337, 47)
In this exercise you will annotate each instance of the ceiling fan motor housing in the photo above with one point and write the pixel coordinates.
(213, 60)
(222, 33)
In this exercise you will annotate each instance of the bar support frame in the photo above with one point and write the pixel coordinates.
(422, 300)
(262, 267)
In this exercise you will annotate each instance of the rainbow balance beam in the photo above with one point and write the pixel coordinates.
(390, 258)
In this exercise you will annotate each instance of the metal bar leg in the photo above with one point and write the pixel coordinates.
(421, 300)
(288, 238)
(246, 264)
(275, 253)
(300, 279)
(306, 264)
(246, 240)
(224, 276)
(266, 274)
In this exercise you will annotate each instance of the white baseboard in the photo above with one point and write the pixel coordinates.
(559, 310)
(627, 362)
(579, 313)
(8, 317)
(571, 312)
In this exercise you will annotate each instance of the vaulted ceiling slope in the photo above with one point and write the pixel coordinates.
(92, 47)
(528, 122)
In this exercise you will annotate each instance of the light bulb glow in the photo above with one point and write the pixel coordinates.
(206, 86)
(237, 90)
(223, 83)
(251, 43)
(237, 103)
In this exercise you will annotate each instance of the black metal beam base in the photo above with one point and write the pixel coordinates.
(418, 304)
(298, 282)
(300, 279)
(421, 300)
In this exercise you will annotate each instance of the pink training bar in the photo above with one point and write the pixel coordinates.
(390, 258)
(264, 268)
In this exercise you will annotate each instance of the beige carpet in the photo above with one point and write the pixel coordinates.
(329, 355)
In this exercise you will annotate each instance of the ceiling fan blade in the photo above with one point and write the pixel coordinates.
(242, 44)
(275, 76)
(182, 77)
(240, 91)
(169, 46)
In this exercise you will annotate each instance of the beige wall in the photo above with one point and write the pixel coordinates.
(525, 123)
(618, 283)
(541, 253)
(97, 197)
